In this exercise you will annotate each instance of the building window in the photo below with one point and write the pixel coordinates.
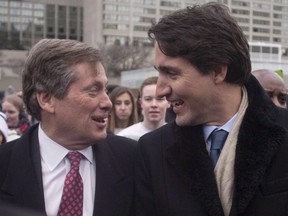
(261, 22)
(240, 3)
(261, 14)
(262, 30)
(260, 38)
(276, 31)
(238, 11)
(277, 16)
(261, 6)
(50, 29)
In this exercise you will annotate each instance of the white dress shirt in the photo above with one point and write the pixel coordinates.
(55, 166)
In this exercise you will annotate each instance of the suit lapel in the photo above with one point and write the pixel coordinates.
(24, 178)
(108, 175)
(189, 157)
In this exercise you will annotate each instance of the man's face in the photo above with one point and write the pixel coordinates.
(153, 107)
(275, 89)
(190, 93)
(81, 116)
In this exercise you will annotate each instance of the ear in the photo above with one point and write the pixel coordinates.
(219, 74)
(46, 101)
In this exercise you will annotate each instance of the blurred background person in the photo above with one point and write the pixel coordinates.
(124, 112)
(3, 128)
(274, 86)
(153, 111)
(31, 119)
(17, 118)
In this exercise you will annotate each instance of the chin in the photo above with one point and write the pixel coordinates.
(101, 136)
(179, 122)
(182, 121)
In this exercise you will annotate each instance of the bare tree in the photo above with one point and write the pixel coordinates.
(120, 58)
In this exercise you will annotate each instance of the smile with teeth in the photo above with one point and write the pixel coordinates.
(100, 119)
(177, 103)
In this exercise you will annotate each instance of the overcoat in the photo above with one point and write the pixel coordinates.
(175, 177)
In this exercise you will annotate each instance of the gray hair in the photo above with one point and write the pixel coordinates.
(49, 68)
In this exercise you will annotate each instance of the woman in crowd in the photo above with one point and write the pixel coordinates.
(17, 118)
(124, 112)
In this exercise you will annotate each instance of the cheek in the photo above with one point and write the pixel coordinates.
(130, 108)
(146, 109)
(15, 116)
(117, 108)
(164, 106)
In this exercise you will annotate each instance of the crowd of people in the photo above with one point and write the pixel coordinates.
(206, 137)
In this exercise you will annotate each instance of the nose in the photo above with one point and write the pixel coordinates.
(163, 89)
(106, 102)
(122, 106)
(154, 102)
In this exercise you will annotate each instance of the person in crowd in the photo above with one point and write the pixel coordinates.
(274, 86)
(17, 118)
(226, 152)
(123, 113)
(27, 116)
(153, 110)
(3, 128)
(66, 164)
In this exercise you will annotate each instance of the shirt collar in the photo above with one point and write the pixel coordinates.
(53, 153)
(207, 129)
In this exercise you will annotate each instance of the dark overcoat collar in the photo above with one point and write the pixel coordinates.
(260, 137)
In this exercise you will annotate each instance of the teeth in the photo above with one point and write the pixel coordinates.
(101, 119)
(176, 103)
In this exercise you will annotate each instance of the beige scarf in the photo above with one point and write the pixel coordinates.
(224, 170)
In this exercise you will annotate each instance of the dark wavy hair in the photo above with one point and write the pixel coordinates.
(208, 37)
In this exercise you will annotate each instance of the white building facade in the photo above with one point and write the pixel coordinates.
(127, 21)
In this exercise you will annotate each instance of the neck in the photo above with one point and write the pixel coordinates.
(227, 104)
(122, 123)
(153, 125)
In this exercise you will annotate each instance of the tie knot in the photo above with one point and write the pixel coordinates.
(218, 138)
(75, 158)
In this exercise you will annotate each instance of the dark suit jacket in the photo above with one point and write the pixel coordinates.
(21, 178)
(14, 210)
(174, 174)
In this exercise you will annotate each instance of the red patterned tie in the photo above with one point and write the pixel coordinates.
(72, 197)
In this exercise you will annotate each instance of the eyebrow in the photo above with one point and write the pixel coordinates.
(167, 69)
(282, 92)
